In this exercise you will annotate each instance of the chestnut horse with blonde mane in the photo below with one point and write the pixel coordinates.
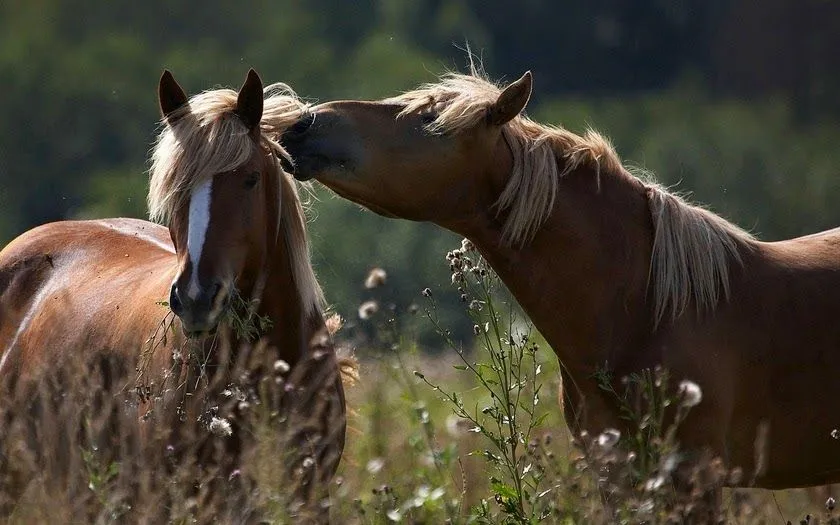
(614, 270)
(75, 289)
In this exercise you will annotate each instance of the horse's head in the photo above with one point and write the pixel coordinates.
(419, 156)
(220, 196)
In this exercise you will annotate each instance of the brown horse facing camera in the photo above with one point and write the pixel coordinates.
(71, 290)
(614, 270)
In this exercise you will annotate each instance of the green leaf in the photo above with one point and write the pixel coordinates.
(504, 490)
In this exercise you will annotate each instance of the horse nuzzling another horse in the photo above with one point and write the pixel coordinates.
(614, 270)
(235, 250)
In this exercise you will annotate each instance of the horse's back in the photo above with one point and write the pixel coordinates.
(81, 286)
(770, 355)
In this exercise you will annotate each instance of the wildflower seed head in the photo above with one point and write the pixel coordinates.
(334, 323)
(690, 393)
(835, 434)
(367, 309)
(467, 245)
(375, 278)
(476, 305)
(457, 277)
(670, 464)
(476, 329)
(427, 292)
(830, 504)
(654, 484)
(281, 367)
(375, 465)
(608, 439)
(464, 298)
(220, 427)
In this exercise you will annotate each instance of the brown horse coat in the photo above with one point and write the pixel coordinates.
(614, 270)
(75, 290)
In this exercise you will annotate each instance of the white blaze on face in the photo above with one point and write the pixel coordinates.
(197, 230)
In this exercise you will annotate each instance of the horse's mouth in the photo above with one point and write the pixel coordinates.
(201, 333)
(208, 328)
(205, 323)
(314, 165)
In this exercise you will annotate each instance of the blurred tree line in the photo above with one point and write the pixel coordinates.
(735, 99)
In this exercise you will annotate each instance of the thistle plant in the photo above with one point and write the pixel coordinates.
(426, 490)
(512, 413)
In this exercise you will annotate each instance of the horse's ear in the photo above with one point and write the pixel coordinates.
(249, 104)
(171, 97)
(511, 101)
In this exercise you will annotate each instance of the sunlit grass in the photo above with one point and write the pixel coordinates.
(469, 432)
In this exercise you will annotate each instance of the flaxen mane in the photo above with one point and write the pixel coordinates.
(693, 248)
(210, 138)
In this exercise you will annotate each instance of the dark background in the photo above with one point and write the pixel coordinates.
(735, 100)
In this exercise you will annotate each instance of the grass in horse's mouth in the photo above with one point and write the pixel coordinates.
(198, 334)
(241, 315)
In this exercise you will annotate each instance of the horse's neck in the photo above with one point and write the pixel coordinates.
(292, 325)
(586, 293)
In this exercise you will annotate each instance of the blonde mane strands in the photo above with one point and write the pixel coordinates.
(208, 138)
(692, 246)
(692, 251)
(461, 103)
(293, 220)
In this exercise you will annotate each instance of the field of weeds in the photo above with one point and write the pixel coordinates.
(469, 433)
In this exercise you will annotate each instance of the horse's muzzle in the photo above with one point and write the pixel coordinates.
(200, 314)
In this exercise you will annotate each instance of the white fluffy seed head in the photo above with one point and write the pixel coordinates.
(690, 394)
(220, 427)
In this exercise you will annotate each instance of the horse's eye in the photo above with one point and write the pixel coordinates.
(252, 180)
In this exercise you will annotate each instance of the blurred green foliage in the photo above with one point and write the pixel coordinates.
(735, 101)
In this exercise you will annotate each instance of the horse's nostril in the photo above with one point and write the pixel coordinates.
(174, 302)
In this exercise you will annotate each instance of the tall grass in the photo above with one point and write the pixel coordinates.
(468, 433)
